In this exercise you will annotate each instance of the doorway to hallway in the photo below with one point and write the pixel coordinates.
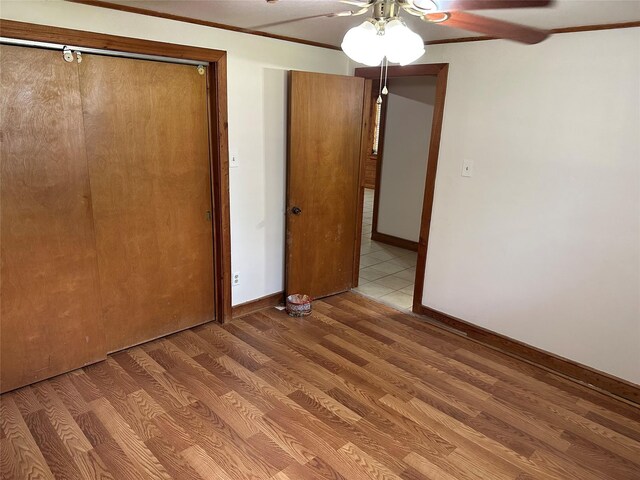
(387, 273)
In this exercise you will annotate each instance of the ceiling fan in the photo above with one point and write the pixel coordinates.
(366, 42)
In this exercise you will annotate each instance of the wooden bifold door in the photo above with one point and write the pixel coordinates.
(105, 214)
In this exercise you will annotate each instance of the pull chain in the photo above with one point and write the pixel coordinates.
(385, 90)
(379, 100)
(384, 74)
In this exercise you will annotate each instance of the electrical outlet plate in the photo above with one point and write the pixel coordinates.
(236, 279)
(467, 168)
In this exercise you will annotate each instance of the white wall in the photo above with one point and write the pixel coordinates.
(257, 120)
(406, 148)
(542, 244)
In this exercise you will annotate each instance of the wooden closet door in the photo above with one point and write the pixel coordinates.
(50, 314)
(148, 152)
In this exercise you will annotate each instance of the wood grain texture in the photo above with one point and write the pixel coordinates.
(395, 241)
(67, 36)
(259, 304)
(365, 150)
(491, 26)
(219, 153)
(379, 159)
(355, 391)
(368, 179)
(395, 71)
(50, 314)
(609, 383)
(218, 124)
(146, 127)
(456, 5)
(371, 167)
(430, 185)
(553, 31)
(323, 173)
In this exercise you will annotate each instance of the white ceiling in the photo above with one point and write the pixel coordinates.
(254, 13)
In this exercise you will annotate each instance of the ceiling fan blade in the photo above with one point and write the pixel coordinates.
(357, 3)
(347, 13)
(299, 19)
(490, 26)
(457, 5)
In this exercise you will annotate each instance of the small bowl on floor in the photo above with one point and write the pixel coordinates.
(298, 305)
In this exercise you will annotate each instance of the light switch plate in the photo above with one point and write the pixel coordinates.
(233, 159)
(467, 168)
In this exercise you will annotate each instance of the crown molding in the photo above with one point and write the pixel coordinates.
(180, 18)
(223, 26)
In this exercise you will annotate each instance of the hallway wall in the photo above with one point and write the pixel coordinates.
(404, 159)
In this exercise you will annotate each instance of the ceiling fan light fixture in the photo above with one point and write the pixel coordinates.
(401, 45)
(371, 41)
(363, 44)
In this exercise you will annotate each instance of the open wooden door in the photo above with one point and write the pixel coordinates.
(325, 136)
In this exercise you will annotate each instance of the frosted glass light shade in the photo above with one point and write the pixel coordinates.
(401, 44)
(363, 44)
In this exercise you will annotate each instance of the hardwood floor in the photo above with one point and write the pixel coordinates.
(357, 391)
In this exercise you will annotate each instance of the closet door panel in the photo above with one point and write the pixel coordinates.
(148, 152)
(50, 318)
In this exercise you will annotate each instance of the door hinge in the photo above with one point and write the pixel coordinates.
(208, 215)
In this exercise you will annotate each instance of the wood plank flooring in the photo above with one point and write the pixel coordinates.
(357, 391)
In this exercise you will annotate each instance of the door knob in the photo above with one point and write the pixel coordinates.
(296, 211)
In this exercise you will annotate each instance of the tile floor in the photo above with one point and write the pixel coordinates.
(387, 273)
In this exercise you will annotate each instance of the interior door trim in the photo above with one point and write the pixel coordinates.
(440, 71)
(218, 127)
(98, 51)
